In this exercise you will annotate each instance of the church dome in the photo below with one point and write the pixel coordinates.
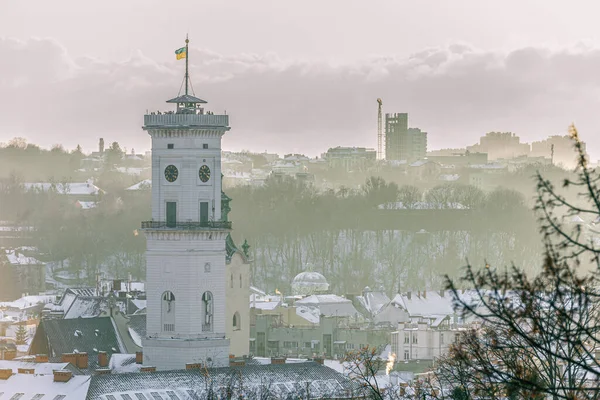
(308, 283)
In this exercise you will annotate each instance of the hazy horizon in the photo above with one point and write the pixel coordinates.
(311, 86)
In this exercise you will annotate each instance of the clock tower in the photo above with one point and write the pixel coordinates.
(186, 238)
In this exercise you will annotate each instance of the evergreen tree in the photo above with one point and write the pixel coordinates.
(21, 334)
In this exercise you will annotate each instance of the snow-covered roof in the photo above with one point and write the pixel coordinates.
(74, 188)
(17, 258)
(309, 282)
(42, 368)
(311, 314)
(123, 363)
(130, 170)
(146, 184)
(280, 380)
(449, 178)
(87, 205)
(28, 301)
(427, 304)
(330, 305)
(373, 301)
(28, 386)
(421, 205)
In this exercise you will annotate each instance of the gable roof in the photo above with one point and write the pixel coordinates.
(80, 335)
(281, 380)
(28, 386)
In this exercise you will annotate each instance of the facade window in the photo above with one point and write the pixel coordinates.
(441, 338)
(456, 338)
(406, 339)
(232, 281)
(307, 345)
(415, 338)
(237, 322)
(207, 312)
(170, 146)
(240, 281)
(205, 145)
(406, 355)
(349, 346)
(168, 312)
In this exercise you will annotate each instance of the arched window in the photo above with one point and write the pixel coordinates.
(240, 281)
(232, 280)
(207, 312)
(168, 312)
(237, 323)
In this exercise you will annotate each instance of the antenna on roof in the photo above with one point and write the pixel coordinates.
(187, 56)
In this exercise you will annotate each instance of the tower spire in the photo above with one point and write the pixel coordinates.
(187, 56)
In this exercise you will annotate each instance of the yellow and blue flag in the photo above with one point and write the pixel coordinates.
(181, 53)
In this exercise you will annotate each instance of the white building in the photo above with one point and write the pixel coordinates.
(186, 240)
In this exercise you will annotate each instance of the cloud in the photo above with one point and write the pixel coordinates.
(456, 93)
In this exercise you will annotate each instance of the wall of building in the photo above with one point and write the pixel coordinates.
(238, 301)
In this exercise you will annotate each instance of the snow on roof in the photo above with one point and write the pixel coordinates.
(449, 178)
(310, 314)
(123, 363)
(428, 304)
(44, 368)
(74, 188)
(18, 258)
(146, 184)
(28, 301)
(420, 163)
(329, 305)
(373, 301)
(28, 386)
(421, 205)
(86, 205)
(488, 166)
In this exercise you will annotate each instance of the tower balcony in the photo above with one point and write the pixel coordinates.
(187, 226)
(174, 120)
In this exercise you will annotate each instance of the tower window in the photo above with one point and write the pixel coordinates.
(232, 281)
(205, 146)
(168, 312)
(237, 323)
(207, 311)
(170, 146)
(240, 281)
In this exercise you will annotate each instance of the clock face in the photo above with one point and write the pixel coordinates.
(171, 173)
(204, 173)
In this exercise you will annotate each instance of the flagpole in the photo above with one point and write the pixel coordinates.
(187, 55)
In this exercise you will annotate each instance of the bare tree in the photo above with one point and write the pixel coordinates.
(539, 334)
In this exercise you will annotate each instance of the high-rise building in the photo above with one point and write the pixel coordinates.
(500, 145)
(402, 142)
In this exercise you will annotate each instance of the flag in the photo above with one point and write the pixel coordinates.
(181, 53)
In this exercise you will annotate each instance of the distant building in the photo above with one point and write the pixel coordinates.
(458, 159)
(402, 142)
(500, 145)
(20, 275)
(563, 148)
(350, 158)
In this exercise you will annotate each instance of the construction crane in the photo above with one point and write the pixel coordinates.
(379, 131)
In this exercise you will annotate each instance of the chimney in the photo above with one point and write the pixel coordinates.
(62, 376)
(408, 295)
(69, 358)
(148, 369)
(29, 371)
(41, 358)
(103, 371)
(424, 294)
(5, 373)
(139, 357)
(277, 360)
(442, 293)
(319, 360)
(193, 366)
(10, 354)
(103, 359)
(82, 360)
(101, 145)
(231, 356)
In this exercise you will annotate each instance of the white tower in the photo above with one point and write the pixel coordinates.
(186, 239)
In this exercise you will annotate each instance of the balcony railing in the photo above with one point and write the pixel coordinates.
(175, 120)
(186, 226)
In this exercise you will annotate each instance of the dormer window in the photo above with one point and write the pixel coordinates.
(205, 146)
(170, 146)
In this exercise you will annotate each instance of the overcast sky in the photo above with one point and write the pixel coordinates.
(301, 76)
